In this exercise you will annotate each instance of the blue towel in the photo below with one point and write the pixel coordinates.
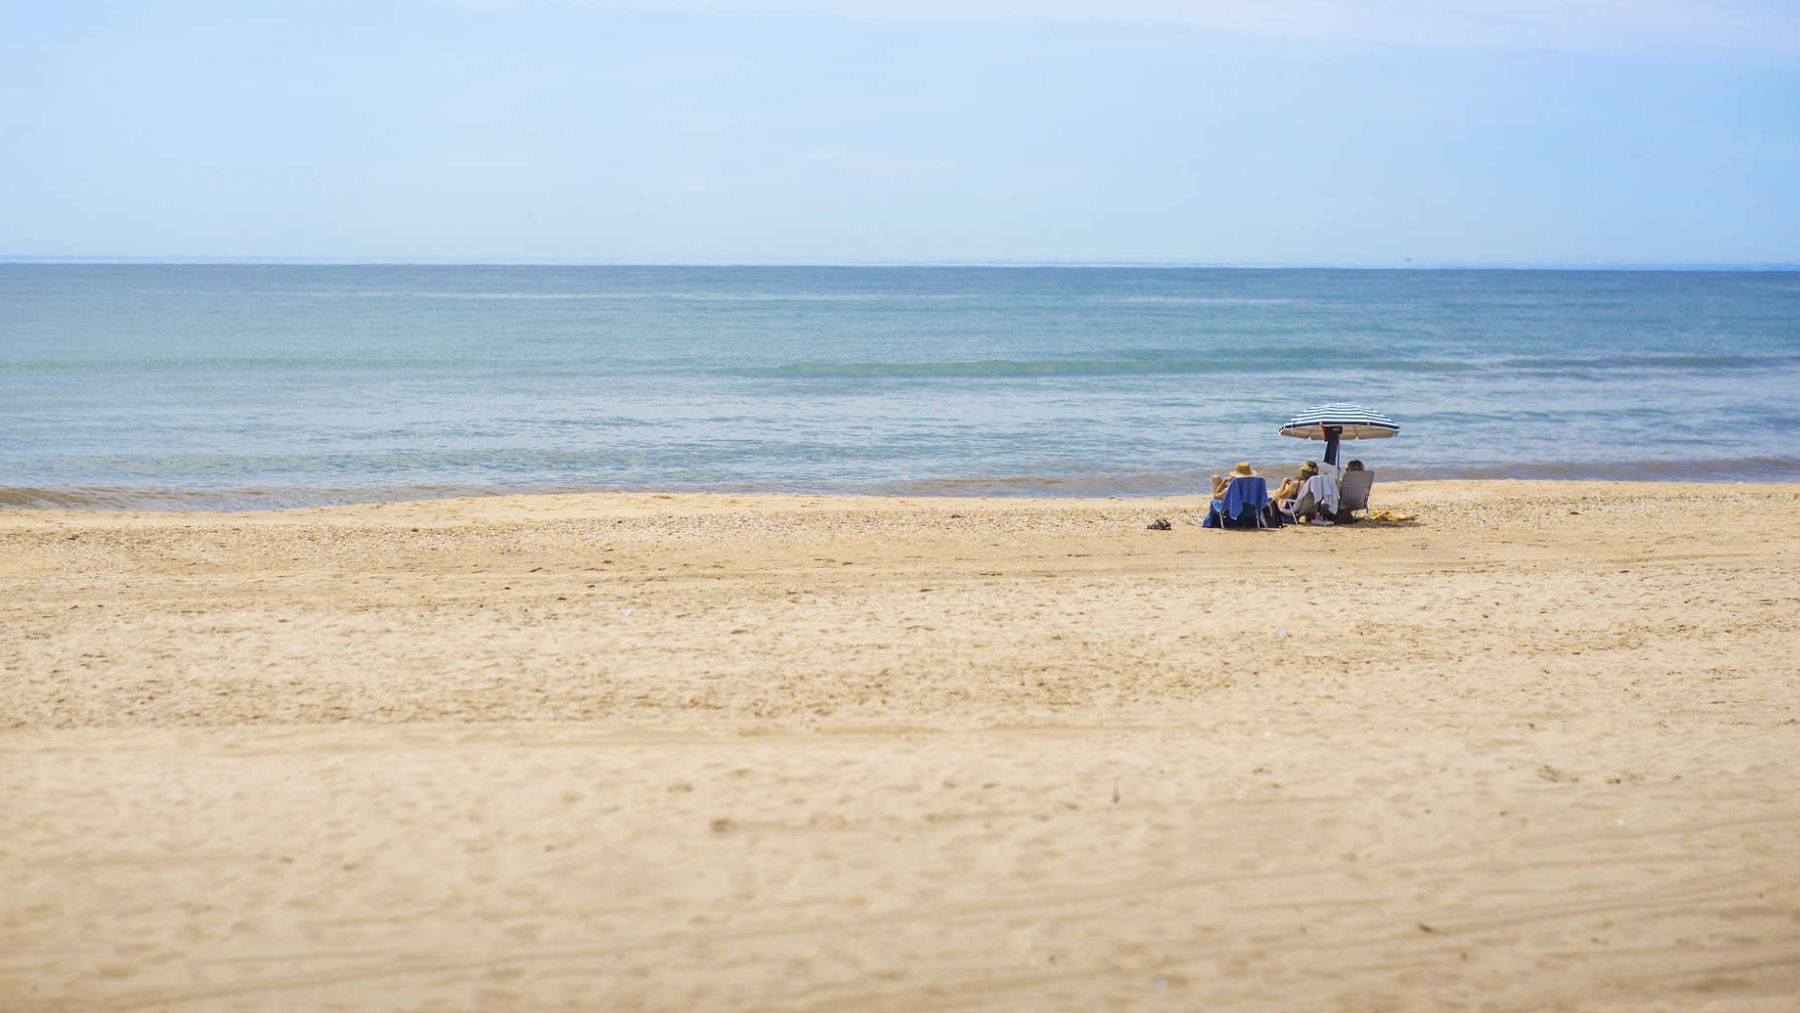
(1244, 500)
(1244, 494)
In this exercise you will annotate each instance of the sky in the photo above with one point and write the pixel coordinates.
(1353, 133)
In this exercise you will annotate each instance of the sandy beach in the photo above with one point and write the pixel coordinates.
(714, 752)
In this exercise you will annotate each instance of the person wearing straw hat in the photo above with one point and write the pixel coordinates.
(1290, 486)
(1241, 498)
(1316, 500)
(1221, 481)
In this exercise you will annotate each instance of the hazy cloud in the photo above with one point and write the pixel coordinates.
(877, 166)
(1666, 26)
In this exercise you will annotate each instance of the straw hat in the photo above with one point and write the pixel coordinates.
(1242, 470)
(1309, 468)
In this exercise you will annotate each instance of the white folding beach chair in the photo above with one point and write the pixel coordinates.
(1318, 495)
(1353, 491)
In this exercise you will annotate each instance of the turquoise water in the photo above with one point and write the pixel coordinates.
(233, 386)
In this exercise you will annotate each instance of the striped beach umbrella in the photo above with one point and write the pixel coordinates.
(1338, 421)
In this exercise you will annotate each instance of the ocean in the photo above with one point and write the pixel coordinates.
(240, 386)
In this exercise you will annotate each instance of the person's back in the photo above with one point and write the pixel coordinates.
(1241, 502)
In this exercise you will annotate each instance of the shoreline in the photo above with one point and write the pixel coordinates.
(1027, 488)
(871, 498)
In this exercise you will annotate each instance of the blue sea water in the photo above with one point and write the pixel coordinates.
(261, 385)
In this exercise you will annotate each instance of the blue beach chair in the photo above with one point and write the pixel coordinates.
(1245, 505)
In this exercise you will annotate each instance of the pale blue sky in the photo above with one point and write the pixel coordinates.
(738, 131)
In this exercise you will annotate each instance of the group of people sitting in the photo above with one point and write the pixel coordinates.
(1314, 496)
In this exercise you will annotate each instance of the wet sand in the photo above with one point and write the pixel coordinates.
(1535, 751)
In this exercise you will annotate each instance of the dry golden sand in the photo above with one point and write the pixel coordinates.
(1539, 751)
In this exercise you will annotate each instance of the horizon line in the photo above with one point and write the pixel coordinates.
(105, 260)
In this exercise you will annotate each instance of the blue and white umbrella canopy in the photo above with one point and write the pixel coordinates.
(1339, 421)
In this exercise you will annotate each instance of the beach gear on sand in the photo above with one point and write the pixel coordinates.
(1353, 491)
(1318, 495)
(1244, 504)
(1338, 421)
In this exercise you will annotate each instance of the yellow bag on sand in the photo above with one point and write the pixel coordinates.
(1391, 515)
